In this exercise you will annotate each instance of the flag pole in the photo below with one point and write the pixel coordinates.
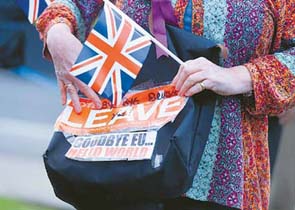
(141, 30)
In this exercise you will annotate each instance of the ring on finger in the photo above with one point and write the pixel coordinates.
(203, 87)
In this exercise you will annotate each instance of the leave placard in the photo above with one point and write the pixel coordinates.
(152, 110)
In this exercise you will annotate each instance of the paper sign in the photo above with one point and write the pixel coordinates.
(113, 146)
(152, 110)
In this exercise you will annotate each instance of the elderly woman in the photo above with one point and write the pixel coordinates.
(256, 79)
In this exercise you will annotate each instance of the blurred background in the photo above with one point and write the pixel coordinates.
(29, 105)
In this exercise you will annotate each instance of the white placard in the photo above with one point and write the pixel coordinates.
(113, 146)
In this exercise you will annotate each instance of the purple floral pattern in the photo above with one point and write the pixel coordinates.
(138, 10)
(243, 30)
(89, 11)
(227, 180)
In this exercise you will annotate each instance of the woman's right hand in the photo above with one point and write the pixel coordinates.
(64, 49)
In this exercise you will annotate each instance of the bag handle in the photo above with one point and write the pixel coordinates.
(162, 13)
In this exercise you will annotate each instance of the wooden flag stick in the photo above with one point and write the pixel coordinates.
(141, 30)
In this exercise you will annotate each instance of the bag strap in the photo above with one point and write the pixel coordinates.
(162, 13)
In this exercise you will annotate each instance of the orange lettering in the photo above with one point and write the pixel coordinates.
(95, 152)
(72, 153)
(143, 151)
(110, 152)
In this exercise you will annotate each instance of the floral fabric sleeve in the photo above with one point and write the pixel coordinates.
(78, 14)
(274, 75)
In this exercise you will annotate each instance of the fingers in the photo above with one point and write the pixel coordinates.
(182, 75)
(70, 85)
(174, 81)
(63, 92)
(184, 72)
(192, 80)
(195, 89)
(88, 92)
(66, 86)
(72, 91)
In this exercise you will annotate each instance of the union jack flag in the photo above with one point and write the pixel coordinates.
(112, 55)
(33, 8)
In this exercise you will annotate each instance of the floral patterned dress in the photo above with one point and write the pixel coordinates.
(260, 34)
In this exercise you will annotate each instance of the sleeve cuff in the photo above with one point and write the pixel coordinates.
(272, 86)
(250, 100)
(55, 13)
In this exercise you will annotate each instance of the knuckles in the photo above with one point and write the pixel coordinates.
(190, 80)
(85, 89)
(186, 71)
(201, 60)
(71, 90)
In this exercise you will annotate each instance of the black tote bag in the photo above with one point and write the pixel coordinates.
(180, 143)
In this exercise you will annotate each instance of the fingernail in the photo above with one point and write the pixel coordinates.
(78, 110)
(98, 105)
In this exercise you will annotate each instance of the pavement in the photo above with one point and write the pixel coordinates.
(29, 106)
(28, 110)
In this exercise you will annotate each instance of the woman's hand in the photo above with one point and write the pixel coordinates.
(64, 48)
(199, 74)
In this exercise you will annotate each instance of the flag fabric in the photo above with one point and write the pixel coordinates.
(112, 55)
(33, 8)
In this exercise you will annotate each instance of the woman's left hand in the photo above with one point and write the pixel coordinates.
(199, 74)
